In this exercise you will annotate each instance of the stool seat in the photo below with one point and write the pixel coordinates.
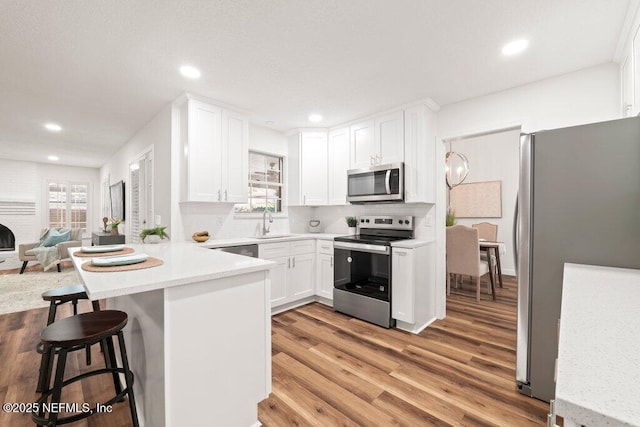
(66, 293)
(84, 328)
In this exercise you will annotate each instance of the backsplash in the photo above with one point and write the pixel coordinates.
(222, 223)
(332, 217)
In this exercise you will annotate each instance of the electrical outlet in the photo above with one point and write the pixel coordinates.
(158, 220)
(219, 220)
(428, 219)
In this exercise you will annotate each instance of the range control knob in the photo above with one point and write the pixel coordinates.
(362, 220)
(406, 221)
(367, 221)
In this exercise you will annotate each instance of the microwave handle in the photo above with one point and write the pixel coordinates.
(387, 181)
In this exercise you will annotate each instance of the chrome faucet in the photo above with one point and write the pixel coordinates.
(265, 229)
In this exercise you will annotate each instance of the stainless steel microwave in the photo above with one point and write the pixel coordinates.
(376, 184)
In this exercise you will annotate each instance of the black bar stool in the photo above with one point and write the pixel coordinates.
(57, 297)
(76, 332)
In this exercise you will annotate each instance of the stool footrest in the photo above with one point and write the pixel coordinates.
(40, 420)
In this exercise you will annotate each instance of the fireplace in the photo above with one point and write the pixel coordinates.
(7, 239)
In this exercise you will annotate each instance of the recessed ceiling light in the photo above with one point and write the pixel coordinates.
(515, 47)
(190, 72)
(269, 122)
(53, 158)
(53, 127)
(315, 118)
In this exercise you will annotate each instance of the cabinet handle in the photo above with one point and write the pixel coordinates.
(331, 261)
(219, 196)
(304, 200)
(288, 262)
(401, 253)
(293, 265)
(226, 198)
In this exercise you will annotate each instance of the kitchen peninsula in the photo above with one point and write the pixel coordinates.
(199, 333)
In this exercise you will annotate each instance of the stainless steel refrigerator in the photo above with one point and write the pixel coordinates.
(578, 202)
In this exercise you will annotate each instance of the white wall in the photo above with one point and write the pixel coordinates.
(494, 157)
(156, 134)
(27, 181)
(585, 96)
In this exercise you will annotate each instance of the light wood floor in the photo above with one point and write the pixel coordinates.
(330, 369)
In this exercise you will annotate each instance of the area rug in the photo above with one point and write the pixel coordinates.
(20, 292)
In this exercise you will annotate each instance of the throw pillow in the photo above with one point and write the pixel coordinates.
(56, 236)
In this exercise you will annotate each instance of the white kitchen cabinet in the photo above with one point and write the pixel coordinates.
(378, 141)
(362, 145)
(338, 164)
(293, 279)
(626, 79)
(214, 145)
(308, 169)
(413, 287)
(403, 289)
(419, 149)
(324, 269)
(389, 138)
(235, 162)
(300, 280)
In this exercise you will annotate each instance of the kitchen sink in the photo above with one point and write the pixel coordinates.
(276, 236)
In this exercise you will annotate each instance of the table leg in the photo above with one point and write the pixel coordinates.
(497, 252)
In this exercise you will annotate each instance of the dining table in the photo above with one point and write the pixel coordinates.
(497, 248)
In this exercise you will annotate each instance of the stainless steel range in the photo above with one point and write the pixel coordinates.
(362, 268)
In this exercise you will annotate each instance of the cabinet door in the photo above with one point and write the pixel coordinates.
(235, 137)
(403, 288)
(279, 278)
(204, 153)
(361, 142)
(313, 168)
(300, 276)
(338, 153)
(389, 138)
(419, 149)
(324, 276)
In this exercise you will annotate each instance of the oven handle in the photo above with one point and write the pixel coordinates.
(362, 247)
(387, 181)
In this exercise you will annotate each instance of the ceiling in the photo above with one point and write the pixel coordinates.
(102, 69)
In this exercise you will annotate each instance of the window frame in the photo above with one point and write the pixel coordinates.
(283, 192)
(68, 183)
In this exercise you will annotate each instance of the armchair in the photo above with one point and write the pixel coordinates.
(26, 254)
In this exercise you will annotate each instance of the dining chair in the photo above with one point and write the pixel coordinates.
(463, 257)
(488, 232)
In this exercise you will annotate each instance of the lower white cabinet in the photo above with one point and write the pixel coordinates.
(293, 278)
(413, 287)
(403, 289)
(324, 269)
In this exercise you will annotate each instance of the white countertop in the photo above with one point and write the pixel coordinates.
(220, 243)
(598, 381)
(183, 263)
(411, 243)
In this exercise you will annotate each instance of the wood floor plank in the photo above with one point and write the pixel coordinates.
(311, 407)
(359, 410)
(335, 373)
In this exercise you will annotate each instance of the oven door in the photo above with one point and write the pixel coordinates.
(384, 183)
(363, 269)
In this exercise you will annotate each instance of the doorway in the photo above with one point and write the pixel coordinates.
(141, 204)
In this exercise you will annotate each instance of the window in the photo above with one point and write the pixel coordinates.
(68, 204)
(265, 184)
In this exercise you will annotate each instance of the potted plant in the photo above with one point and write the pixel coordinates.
(153, 235)
(115, 222)
(451, 217)
(352, 222)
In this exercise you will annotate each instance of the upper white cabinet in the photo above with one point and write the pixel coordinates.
(378, 141)
(214, 144)
(419, 153)
(308, 168)
(338, 164)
